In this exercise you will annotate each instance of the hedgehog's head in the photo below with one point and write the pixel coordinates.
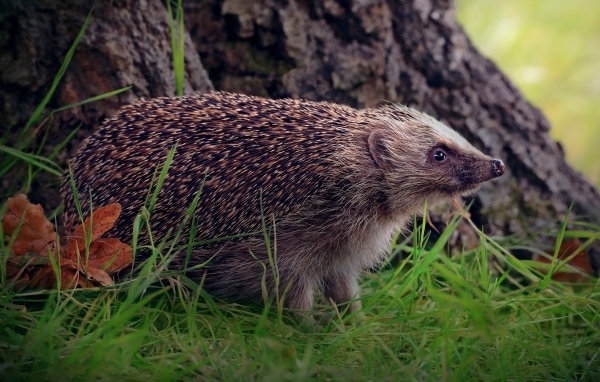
(422, 158)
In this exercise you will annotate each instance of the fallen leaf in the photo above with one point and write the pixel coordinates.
(580, 261)
(72, 278)
(73, 275)
(27, 260)
(35, 233)
(99, 276)
(44, 278)
(83, 275)
(101, 220)
(16, 275)
(29, 263)
(110, 253)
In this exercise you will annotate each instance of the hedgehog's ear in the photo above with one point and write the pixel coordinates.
(379, 151)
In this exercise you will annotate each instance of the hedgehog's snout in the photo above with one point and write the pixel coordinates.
(497, 168)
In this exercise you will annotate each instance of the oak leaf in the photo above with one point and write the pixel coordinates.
(35, 233)
(580, 261)
(30, 262)
(101, 220)
(110, 254)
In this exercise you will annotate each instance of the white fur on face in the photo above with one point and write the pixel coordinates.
(425, 121)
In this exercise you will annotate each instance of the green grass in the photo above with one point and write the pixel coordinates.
(430, 316)
(178, 32)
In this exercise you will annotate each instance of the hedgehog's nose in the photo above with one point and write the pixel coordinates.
(497, 168)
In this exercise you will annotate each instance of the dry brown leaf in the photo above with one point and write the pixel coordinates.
(83, 276)
(30, 264)
(11, 270)
(16, 275)
(19, 282)
(73, 275)
(99, 276)
(29, 259)
(581, 261)
(110, 253)
(35, 234)
(72, 278)
(19, 267)
(101, 220)
(44, 278)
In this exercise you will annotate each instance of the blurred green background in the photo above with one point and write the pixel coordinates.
(551, 50)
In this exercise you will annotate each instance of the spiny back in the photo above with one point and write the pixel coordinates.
(240, 148)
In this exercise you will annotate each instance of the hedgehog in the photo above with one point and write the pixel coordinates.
(301, 196)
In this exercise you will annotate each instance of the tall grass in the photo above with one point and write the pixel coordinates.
(434, 316)
(177, 30)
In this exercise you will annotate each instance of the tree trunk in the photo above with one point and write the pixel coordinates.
(126, 44)
(360, 53)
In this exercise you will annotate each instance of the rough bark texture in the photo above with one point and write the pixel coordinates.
(361, 53)
(127, 43)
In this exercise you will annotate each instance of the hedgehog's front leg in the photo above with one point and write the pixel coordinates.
(343, 289)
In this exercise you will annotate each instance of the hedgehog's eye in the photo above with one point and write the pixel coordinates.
(439, 155)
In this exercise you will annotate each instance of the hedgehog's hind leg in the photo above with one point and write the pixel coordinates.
(297, 295)
(228, 271)
(241, 271)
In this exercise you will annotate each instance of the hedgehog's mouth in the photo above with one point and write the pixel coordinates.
(470, 177)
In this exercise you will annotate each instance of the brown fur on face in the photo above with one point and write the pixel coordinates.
(336, 181)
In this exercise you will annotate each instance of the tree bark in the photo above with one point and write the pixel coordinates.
(360, 53)
(126, 44)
